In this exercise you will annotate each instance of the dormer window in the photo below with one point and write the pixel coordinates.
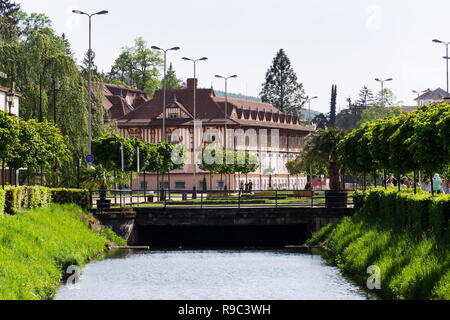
(173, 115)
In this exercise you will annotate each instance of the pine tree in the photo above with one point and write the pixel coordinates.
(365, 97)
(281, 88)
(332, 117)
(9, 12)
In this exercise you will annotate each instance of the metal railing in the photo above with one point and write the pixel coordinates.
(123, 198)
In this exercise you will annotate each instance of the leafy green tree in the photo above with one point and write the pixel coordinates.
(107, 152)
(376, 112)
(382, 131)
(281, 88)
(354, 151)
(138, 66)
(27, 151)
(388, 97)
(429, 151)
(9, 137)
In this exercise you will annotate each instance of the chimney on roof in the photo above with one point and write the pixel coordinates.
(192, 83)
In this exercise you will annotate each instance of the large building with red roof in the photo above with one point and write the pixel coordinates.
(285, 134)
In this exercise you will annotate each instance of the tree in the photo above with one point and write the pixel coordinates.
(386, 98)
(9, 20)
(107, 152)
(171, 79)
(321, 150)
(429, 151)
(9, 137)
(281, 88)
(332, 116)
(138, 66)
(365, 97)
(321, 121)
(376, 112)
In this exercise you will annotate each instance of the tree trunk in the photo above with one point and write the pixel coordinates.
(334, 175)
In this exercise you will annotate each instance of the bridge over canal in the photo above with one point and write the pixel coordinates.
(194, 227)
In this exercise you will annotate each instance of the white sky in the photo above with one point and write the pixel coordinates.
(346, 42)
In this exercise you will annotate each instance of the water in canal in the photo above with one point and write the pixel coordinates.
(208, 275)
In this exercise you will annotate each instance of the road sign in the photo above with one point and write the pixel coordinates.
(89, 158)
(3, 75)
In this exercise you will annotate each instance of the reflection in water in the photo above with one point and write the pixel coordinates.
(207, 275)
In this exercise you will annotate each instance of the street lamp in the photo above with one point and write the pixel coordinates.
(446, 56)
(382, 88)
(164, 86)
(195, 116)
(309, 106)
(10, 99)
(90, 76)
(419, 93)
(226, 105)
(164, 136)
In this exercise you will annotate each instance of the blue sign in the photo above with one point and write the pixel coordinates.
(89, 158)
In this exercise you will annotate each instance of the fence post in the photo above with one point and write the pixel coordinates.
(201, 199)
(91, 199)
(276, 198)
(239, 199)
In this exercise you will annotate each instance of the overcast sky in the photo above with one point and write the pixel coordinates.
(346, 42)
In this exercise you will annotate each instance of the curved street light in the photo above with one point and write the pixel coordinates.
(446, 57)
(90, 77)
(382, 88)
(226, 105)
(194, 61)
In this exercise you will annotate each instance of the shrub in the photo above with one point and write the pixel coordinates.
(18, 198)
(15, 199)
(2, 201)
(76, 196)
(405, 234)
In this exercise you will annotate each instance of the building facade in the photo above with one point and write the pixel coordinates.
(259, 128)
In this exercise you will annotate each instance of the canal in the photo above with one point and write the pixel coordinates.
(211, 275)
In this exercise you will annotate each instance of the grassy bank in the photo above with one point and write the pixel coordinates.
(405, 235)
(38, 245)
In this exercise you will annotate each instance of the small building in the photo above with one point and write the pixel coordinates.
(432, 96)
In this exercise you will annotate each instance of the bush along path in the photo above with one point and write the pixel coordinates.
(38, 245)
(405, 235)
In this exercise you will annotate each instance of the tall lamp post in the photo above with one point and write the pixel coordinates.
(310, 119)
(446, 56)
(164, 133)
(309, 106)
(226, 105)
(419, 93)
(194, 61)
(90, 77)
(382, 88)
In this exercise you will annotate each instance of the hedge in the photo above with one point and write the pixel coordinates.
(79, 197)
(419, 212)
(24, 197)
(2, 201)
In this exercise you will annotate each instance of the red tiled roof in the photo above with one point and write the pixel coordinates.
(210, 109)
(119, 107)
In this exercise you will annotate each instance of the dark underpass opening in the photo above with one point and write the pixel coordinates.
(221, 236)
